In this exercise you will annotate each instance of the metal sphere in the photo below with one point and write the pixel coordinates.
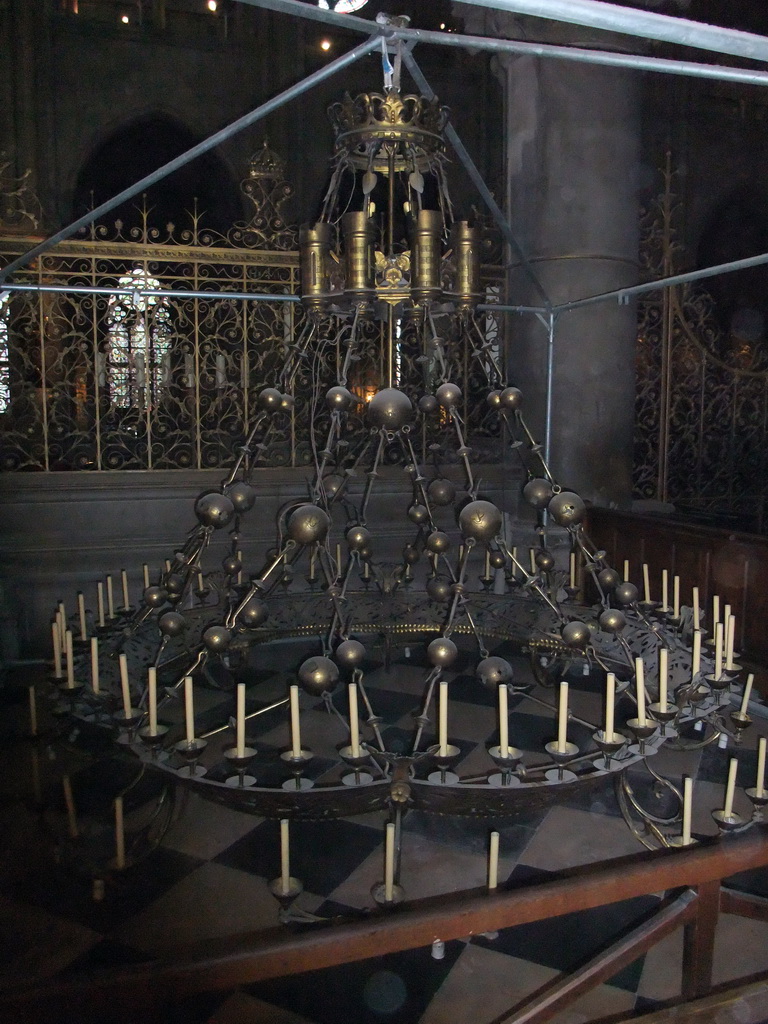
(439, 589)
(172, 623)
(442, 652)
(270, 400)
(410, 554)
(308, 524)
(350, 654)
(544, 560)
(612, 620)
(448, 395)
(511, 398)
(494, 399)
(481, 520)
(538, 492)
(575, 633)
(253, 613)
(231, 564)
(332, 484)
(441, 491)
(608, 579)
(390, 409)
(494, 671)
(339, 398)
(217, 638)
(567, 508)
(626, 593)
(242, 496)
(174, 583)
(366, 552)
(287, 402)
(418, 514)
(155, 596)
(427, 404)
(438, 542)
(318, 674)
(214, 510)
(497, 560)
(358, 537)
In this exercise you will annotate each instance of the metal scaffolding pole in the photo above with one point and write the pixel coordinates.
(202, 147)
(162, 293)
(637, 62)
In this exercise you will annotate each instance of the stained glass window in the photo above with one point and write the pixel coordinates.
(139, 342)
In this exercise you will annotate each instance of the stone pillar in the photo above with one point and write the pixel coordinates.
(572, 151)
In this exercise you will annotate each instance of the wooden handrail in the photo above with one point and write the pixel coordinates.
(225, 964)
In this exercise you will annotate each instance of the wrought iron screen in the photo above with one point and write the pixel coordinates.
(701, 437)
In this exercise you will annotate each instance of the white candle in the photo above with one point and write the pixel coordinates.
(124, 580)
(56, 635)
(145, 570)
(715, 611)
(646, 584)
(189, 709)
(493, 861)
(167, 565)
(295, 728)
(119, 834)
(687, 802)
(664, 590)
(572, 565)
(32, 711)
(389, 862)
(718, 650)
(610, 691)
(562, 718)
(366, 570)
(696, 654)
(81, 615)
(62, 621)
(123, 662)
(514, 563)
(676, 597)
(487, 567)
(110, 598)
(747, 693)
(760, 781)
(626, 569)
(532, 556)
(240, 743)
(695, 605)
(354, 724)
(443, 720)
(730, 788)
(730, 633)
(100, 602)
(95, 664)
(338, 559)
(152, 686)
(200, 581)
(285, 856)
(70, 660)
(69, 803)
(663, 676)
(640, 689)
(503, 721)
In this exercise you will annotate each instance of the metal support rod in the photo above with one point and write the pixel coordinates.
(477, 179)
(202, 147)
(550, 326)
(146, 292)
(638, 62)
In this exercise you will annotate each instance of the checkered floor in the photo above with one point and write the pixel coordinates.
(209, 877)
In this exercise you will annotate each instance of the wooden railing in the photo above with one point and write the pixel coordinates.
(692, 880)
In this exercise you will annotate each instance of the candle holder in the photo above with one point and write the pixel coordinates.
(154, 742)
(379, 893)
(297, 766)
(508, 763)
(444, 762)
(68, 699)
(718, 683)
(677, 842)
(190, 751)
(610, 746)
(561, 758)
(240, 763)
(127, 724)
(740, 723)
(286, 896)
(664, 716)
(727, 823)
(673, 621)
(642, 731)
(357, 777)
(571, 594)
(126, 611)
(648, 607)
(758, 802)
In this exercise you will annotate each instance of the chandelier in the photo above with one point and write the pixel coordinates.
(388, 267)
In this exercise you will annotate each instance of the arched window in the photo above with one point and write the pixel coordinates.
(5, 368)
(138, 351)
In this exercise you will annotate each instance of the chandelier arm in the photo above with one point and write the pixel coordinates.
(372, 474)
(243, 450)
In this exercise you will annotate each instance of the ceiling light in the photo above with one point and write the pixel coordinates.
(125, 19)
(325, 45)
(212, 5)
